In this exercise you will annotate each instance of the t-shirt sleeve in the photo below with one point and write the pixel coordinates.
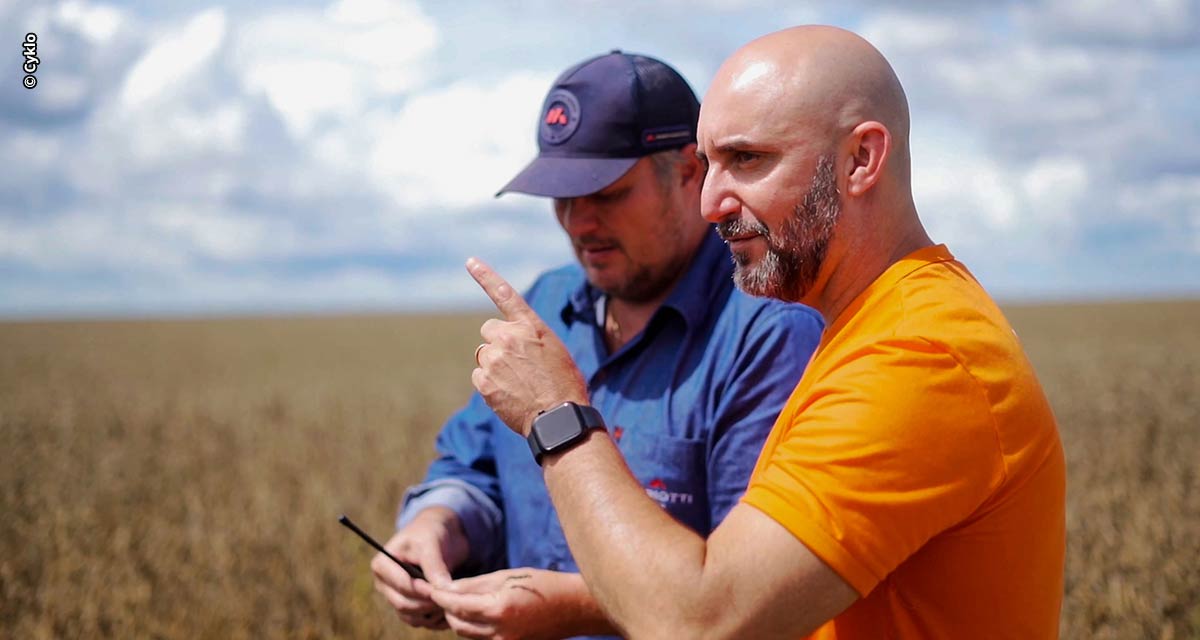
(894, 444)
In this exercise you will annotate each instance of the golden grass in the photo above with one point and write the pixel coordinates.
(1125, 384)
(181, 479)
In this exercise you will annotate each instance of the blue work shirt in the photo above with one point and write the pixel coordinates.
(689, 402)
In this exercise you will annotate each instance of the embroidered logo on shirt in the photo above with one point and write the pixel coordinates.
(658, 491)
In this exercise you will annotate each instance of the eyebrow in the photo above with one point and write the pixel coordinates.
(730, 144)
(735, 143)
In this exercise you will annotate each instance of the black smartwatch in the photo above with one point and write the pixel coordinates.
(561, 428)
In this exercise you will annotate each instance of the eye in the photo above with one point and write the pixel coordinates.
(608, 196)
(744, 157)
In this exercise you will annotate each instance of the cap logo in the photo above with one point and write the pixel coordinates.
(557, 115)
(663, 137)
(561, 117)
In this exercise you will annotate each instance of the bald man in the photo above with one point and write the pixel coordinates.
(913, 486)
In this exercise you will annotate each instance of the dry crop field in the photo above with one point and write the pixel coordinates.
(181, 479)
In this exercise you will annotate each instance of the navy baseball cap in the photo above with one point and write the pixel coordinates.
(600, 117)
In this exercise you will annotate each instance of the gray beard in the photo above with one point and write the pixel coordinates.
(796, 250)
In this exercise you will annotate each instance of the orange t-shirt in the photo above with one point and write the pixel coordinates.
(918, 458)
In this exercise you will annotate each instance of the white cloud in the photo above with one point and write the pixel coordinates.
(1054, 187)
(216, 234)
(173, 58)
(86, 241)
(63, 92)
(897, 33)
(32, 155)
(962, 193)
(303, 90)
(456, 146)
(1170, 202)
(1151, 22)
(312, 64)
(973, 200)
(97, 22)
(1023, 76)
(163, 146)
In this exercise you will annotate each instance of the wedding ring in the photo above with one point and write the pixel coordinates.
(477, 350)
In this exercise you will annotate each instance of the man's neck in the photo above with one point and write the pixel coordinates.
(624, 319)
(860, 265)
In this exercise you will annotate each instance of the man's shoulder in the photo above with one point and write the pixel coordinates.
(938, 307)
(934, 331)
(747, 311)
(556, 286)
(945, 306)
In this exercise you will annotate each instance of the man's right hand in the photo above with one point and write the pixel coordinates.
(436, 542)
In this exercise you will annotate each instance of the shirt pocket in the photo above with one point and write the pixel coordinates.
(673, 472)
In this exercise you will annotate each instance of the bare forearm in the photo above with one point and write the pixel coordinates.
(652, 576)
(645, 569)
(583, 615)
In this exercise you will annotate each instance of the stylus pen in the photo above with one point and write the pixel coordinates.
(409, 568)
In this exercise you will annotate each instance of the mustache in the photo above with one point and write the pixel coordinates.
(588, 241)
(735, 228)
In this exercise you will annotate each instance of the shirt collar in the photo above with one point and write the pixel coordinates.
(710, 267)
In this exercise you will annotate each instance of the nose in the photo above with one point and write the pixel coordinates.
(717, 200)
(576, 215)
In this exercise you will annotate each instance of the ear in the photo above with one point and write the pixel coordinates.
(870, 144)
(690, 169)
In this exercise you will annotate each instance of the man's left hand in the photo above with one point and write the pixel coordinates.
(524, 368)
(514, 603)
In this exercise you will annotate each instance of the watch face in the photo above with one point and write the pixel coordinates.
(558, 426)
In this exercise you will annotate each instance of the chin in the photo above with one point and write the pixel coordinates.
(746, 258)
(603, 280)
(745, 280)
(766, 281)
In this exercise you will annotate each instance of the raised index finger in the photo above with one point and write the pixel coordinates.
(509, 302)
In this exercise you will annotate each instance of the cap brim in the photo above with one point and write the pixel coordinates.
(568, 177)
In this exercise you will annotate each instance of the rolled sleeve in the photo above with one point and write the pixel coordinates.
(482, 520)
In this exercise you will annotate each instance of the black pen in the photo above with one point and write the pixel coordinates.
(409, 568)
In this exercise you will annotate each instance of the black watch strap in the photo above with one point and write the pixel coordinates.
(591, 417)
(561, 428)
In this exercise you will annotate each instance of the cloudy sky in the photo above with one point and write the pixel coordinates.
(341, 155)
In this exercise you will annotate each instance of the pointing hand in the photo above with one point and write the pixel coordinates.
(524, 368)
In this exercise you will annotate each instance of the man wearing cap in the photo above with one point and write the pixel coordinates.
(689, 372)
